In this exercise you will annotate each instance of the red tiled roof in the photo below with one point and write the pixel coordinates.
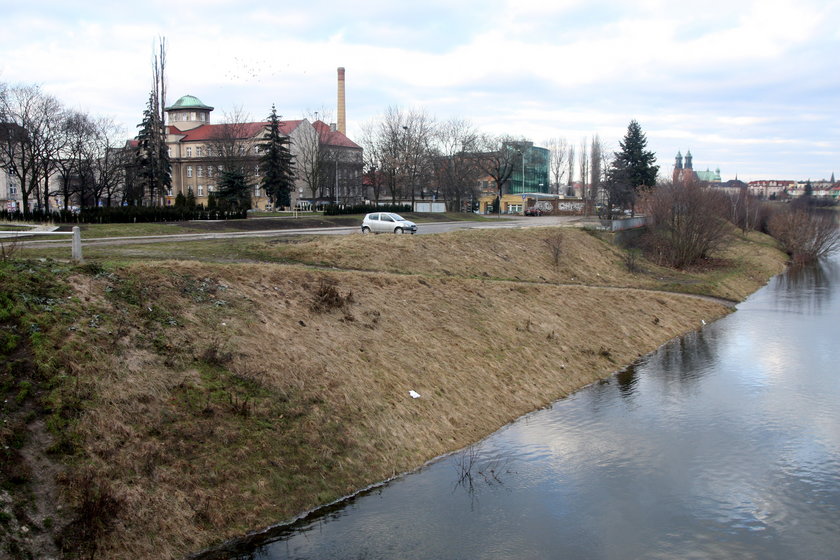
(251, 130)
(333, 137)
(248, 130)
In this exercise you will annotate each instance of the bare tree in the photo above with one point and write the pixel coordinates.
(559, 150)
(373, 159)
(570, 160)
(311, 158)
(77, 130)
(497, 157)
(583, 165)
(455, 171)
(688, 222)
(109, 161)
(596, 160)
(30, 127)
(152, 172)
(806, 234)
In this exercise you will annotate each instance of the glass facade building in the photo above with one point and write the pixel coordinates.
(530, 174)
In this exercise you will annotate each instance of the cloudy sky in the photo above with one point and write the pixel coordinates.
(751, 87)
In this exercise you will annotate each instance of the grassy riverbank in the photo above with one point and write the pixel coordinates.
(166, 405)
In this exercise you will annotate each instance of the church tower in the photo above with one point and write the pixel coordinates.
(678, 165)
(688, 164)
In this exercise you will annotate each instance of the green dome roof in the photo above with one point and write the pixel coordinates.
(189, 102)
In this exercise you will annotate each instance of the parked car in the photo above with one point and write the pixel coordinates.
(534, 211)
(387, 222)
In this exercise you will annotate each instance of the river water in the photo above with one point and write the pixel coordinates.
(723, 444)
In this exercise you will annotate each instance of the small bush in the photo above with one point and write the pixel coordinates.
(95, 508)
(328, 298)
(806, 234)
(555, 246)
(688, 223)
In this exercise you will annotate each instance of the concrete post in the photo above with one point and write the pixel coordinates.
(77, 244)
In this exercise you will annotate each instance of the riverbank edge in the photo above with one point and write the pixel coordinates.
(654, 308)
(265, 535)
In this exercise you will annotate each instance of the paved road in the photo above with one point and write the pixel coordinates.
(423, 228)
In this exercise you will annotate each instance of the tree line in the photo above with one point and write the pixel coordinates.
(40, 139)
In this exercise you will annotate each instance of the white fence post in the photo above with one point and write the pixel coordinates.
(77, 244)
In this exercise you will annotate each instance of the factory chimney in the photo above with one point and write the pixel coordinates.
(342, 116)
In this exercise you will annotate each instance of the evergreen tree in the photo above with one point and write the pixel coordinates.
(152, 157)
(180, 200)
(234, 190)
(636, 163)
(189, 201)
(276, 164)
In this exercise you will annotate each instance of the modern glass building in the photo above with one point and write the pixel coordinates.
(530, 175)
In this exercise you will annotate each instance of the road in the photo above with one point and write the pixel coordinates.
(422, 229)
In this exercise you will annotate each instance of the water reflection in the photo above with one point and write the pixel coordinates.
(723, 444)
(807, 288)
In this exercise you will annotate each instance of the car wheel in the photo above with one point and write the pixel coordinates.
(398, 231)
(365, 230)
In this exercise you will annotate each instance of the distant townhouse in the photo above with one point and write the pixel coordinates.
(10, 197)
(770, 188)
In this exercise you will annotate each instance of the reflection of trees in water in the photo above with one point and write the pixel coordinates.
(807, 287)
(681, 362)
(627, 380)
(684, 361)
(474, 471)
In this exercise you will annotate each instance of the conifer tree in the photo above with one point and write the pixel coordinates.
(636, 162)
(234, 190)
(152, 156)
(276, 163)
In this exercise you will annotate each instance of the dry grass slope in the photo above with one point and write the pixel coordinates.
(220, 398)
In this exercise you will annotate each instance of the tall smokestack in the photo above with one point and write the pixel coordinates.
(342, 115)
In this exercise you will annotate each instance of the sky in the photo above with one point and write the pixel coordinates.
(749, 87)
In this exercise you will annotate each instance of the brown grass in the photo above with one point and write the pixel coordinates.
(222, 398)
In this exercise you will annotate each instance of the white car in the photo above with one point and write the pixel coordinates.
(387, 222)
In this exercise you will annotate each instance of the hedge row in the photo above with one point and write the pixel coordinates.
(123, 215)
(335, 210)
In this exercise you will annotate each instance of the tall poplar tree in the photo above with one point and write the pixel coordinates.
(152, 158)
(276, 163)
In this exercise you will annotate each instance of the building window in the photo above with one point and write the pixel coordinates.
(189, 171)
(198, 151)
(209, 151)
(189, 152)
(200, 170)
(169, 151)
(12, 190)
(200, 190)
(257, 191)
(169, 191)
(209, 170)
(257, 149)
(192, 116)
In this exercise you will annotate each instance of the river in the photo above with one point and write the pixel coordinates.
(725, 443)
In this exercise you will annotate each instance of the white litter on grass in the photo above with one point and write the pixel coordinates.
(703, 321)
(414, 394)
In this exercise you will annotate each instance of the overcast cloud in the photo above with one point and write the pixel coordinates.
(750, 87)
